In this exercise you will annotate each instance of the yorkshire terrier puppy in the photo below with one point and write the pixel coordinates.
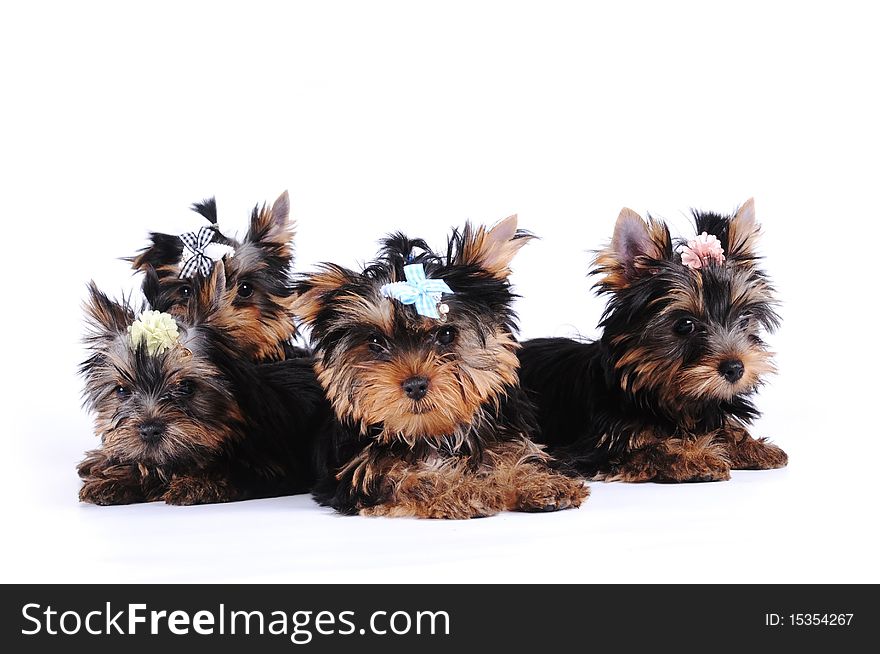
(664, 394)
(418, 359)
(258, 268)
(183, 417)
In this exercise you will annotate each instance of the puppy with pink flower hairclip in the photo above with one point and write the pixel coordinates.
(665, 393)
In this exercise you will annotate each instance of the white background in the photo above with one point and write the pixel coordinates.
(414, 116)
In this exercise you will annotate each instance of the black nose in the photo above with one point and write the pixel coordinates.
(732, 370)
(415, 388)
(151, 430)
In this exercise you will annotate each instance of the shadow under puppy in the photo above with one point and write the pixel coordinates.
(184, 417)
(418, 358)
(258, 268)
(664, 394)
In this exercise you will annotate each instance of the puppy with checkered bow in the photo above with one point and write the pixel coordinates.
(257, 267)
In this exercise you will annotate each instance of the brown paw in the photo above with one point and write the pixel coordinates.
(703, 469)
(94, 464)
(107, 492)
(85, 468)
(758, 455)
(673, 462)
(185, 491)
(552, 492)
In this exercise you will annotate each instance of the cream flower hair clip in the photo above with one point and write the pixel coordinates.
(156, 330)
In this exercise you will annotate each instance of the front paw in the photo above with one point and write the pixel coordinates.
(706, 468)
(107, 492)
(93, 465)
(772, 456)
(551, 492)
(185, 491)
(673, 462)
(758, 455)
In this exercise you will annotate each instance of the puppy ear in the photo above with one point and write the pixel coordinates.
(492, 250)
(312, 290)
(743, 231)
(634, 245)
(106, 316)
(272, 226)
(281, 209)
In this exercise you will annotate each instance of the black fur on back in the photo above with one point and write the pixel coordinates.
(283, 404)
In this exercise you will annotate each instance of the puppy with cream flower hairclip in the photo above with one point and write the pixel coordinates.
(183, 416)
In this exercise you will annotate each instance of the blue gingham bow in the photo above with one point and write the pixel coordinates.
(195, 259)
(424, 293)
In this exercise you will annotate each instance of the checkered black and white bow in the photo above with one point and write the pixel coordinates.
(194, 258)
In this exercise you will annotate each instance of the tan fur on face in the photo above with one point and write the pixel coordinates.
(184, 435)
(704, 380)
(259, 336)
(370, 391)
(670, 380)
(256, 336)
(493, 249)
(648, 367)
(382, 399)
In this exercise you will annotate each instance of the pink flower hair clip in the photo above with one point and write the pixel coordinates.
(699, 251)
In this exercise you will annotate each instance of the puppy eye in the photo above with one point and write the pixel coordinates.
(684, 326)
(184, 291)
(186, 387)
(376, 343)
(121, 392)
(245, 289)
(745, 319)
(446, 335)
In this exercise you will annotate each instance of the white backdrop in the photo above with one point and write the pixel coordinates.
(382, 116)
